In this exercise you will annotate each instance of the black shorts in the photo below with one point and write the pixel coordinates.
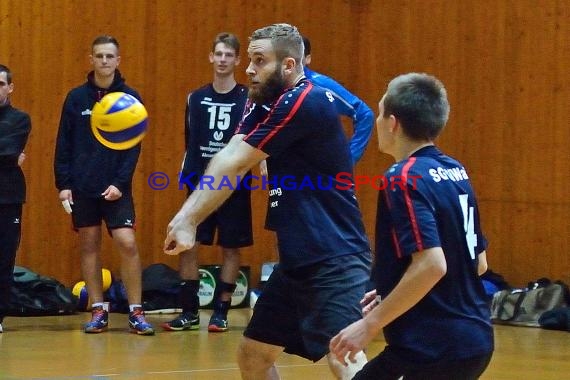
(90, 212)
(302, 310)
(389, 366)
(232, 221)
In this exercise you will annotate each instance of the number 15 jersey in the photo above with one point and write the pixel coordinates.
(211, 120)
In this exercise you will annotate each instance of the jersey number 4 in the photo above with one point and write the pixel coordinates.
(468, 224)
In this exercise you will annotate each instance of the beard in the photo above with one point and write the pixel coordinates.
(267, 92)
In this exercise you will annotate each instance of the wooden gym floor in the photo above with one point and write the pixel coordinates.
(57, 348)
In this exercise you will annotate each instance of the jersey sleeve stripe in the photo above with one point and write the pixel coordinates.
(254, 129)
(289, 115)
(246, 111)
(410, 206)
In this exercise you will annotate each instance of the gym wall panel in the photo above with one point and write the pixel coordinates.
(504, 63)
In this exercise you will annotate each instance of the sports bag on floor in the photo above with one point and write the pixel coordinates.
(36, 295)
(523, 307)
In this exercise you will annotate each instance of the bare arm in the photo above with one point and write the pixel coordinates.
(482, 267)
(425, 271)
(229, 164)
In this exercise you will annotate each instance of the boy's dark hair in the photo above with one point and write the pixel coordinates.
(419, 102)
(105, 39)
(5, 69)
(227, 38)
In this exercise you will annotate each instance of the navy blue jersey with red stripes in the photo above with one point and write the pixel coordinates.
(428, 202)
(313, 218)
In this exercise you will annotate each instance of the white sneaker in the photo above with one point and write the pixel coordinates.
(1, 330)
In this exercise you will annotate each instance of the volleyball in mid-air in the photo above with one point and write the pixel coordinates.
(119, 121)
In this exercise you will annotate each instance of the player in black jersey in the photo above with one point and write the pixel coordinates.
(212, 115)
(324, 254)
(15, 127)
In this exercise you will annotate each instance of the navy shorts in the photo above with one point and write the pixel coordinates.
(88, 212)
(232, 221)
(303, 309)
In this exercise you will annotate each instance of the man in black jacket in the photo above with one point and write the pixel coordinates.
(15, 127)
(94, 184)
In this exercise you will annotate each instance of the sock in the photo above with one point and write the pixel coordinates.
(96, 305)
(188, 296)
(221, 307)
(134, 306)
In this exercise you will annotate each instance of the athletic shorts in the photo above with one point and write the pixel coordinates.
(303, 309)
(389, 366)
(232, 221)
(88, 212)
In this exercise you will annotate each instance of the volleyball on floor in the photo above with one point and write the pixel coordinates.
(80, 290)
(119, 121)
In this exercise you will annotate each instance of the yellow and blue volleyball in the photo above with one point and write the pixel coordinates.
(107, 278)
(80, 291)
(119, 121)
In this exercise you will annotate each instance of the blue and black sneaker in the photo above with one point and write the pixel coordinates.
(99, 321)
(138, 324)
(218, 323)
(185, 321)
